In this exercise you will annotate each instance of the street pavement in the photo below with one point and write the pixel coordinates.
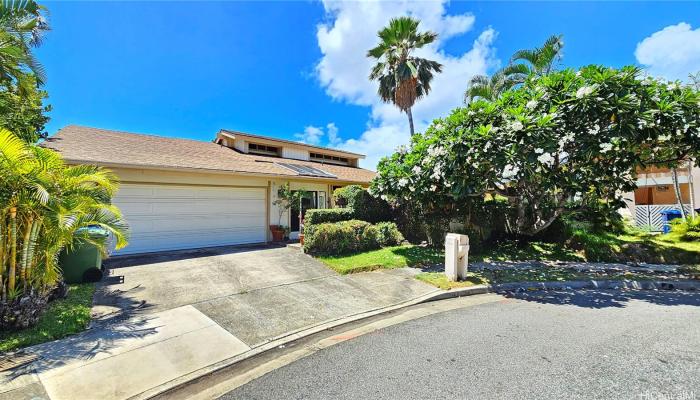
(534, 345)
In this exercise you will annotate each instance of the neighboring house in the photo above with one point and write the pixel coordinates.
(655, 193)
(181, 193)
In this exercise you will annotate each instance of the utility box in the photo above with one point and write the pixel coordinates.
(456, 256)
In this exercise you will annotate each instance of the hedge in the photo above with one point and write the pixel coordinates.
(366, 206)
(324, 215)
(340, 238)
(388, 234)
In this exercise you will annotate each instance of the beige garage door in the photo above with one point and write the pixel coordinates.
(164, 217)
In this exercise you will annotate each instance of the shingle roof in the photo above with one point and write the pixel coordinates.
(101, 146)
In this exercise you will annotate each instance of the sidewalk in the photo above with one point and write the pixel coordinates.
(142, 353)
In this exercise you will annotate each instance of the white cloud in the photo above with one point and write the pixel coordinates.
(343, 70)
(673, 52)
(318, 136)
(311, 135)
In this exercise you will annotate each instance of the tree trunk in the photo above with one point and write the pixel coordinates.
(410, 120)
(677, 189)
(691, 189)
(13, 251)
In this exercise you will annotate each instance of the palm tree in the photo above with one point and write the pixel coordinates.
(538, 61)
(403, 78)
(43, 206)
(22, 26)
(481, 86)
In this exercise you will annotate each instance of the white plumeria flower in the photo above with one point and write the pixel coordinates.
(417, 170)
(510, 171)
(605, 147)
(664, 138)
(531, 104)
(517, 126)
(584, 91)
(433, 188)
(403, 182)
(539, 150)
(546, 159)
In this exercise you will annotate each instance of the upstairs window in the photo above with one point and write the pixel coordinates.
(263, 149)
(326, 158)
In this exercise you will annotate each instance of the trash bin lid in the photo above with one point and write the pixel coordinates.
(671, 212)
(94, 231)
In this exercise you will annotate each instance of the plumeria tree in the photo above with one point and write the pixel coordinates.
(569, 137)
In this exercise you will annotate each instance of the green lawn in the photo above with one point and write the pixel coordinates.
(440, 280)
(388, 257)
(63, 317)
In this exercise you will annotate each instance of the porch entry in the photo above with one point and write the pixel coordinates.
(315, 199)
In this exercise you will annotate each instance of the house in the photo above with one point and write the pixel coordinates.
(656, 193)
(182, 194)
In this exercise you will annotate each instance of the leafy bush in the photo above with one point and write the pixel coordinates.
(365, 206)
(388, 234)
(550, 140)
(43, 206)
(322, 216)
(341, 238)
(692, 236)
(688, 229)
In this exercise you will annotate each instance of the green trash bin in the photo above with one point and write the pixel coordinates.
(83, 262)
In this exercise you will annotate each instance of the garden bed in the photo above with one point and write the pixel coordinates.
(62, 318)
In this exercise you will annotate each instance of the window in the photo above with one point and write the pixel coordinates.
(263, 149)
(328, 158)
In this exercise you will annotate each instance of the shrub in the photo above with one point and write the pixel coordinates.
(388, 234)
(322, 216)
(365, 206)
(341, 238)
(692, 236)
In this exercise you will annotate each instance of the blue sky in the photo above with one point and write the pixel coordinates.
(297, 70)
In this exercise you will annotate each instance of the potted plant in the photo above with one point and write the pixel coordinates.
(286, 198)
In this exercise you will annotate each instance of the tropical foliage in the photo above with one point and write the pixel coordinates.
(43, 206)
(22, 25)
(403, 78)
(524, 63)
(558, 142)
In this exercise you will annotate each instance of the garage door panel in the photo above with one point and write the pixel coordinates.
(142, 244)
(178, 217)
(184, 223)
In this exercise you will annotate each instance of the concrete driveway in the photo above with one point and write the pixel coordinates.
(256, 293)
(162, 319)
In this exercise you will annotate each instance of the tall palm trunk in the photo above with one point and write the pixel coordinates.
(13, 250)
(2, 256)
(410, 120)
(26, 249)
(677, 189)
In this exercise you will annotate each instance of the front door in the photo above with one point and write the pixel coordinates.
(308, 202)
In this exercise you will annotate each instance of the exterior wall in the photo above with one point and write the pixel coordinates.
(662, 194)
(295, 154)
(174, 177)
(240, 145)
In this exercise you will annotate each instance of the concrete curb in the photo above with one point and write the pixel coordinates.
(162, 390)
(683, 285)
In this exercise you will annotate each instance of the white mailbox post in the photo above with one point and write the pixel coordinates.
(456, 256)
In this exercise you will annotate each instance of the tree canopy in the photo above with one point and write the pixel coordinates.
(403, 78)
(560, 138)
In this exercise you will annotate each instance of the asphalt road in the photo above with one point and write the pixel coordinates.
(587, 345)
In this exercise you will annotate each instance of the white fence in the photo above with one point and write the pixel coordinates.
(650, 216)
